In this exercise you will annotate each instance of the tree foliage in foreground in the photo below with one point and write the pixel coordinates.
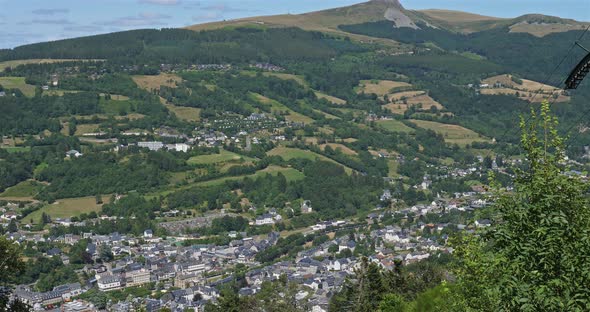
(538, 256)
(10, 266)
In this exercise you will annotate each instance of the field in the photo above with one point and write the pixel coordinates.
(345, 149)
(4, 65)
(66, 208)
(526, 95)
(86, 128)
(527, 85)
(293, 116)
(394, 126)
(297, 78)
(16, 149)
(18, 83)
(185, 113)
(453, 134)
(289, 173)
(393, 165)
(401, 101)
(398, 96)
(156, 81)
(288, 153)
(330, 98)
(542, 30)
(115, 107)
(223, 156)
(380, 87)
(27, 189)
(525, 91)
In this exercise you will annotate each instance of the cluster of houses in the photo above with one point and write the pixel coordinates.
(169, 68)
(268, 67)
(193, 274)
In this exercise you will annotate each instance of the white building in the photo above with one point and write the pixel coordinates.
(152, 146)
(73, 153)
(268, 219)
(108, 282)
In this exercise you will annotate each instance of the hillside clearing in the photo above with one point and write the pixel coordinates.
(18, 83)
(16, 149)
(185, 113)
(288, 153)
(398, 96)
(343, 148)
(453, 134)
(82, 129)
(67, 208)
(332, 99)
(400, 102)
(26, 189)
(528, 95)
(15, 63)
(299, 79)
(523, 88)
(155, 82)
(544, 29)
(278, 108)
(223, 156)
(289, 173)
(394, 126)
(380, 87)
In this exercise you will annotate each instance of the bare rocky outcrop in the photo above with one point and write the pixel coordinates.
(396, 13)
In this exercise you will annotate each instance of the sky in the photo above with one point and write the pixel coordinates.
(30, 21)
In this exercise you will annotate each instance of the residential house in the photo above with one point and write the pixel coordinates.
(268, 219)
(73, 153)
(306, 207)
(148, 233)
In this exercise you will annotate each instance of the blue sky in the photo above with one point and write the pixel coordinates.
(28, 21)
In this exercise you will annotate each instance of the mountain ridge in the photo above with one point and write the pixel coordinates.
(393, 10)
